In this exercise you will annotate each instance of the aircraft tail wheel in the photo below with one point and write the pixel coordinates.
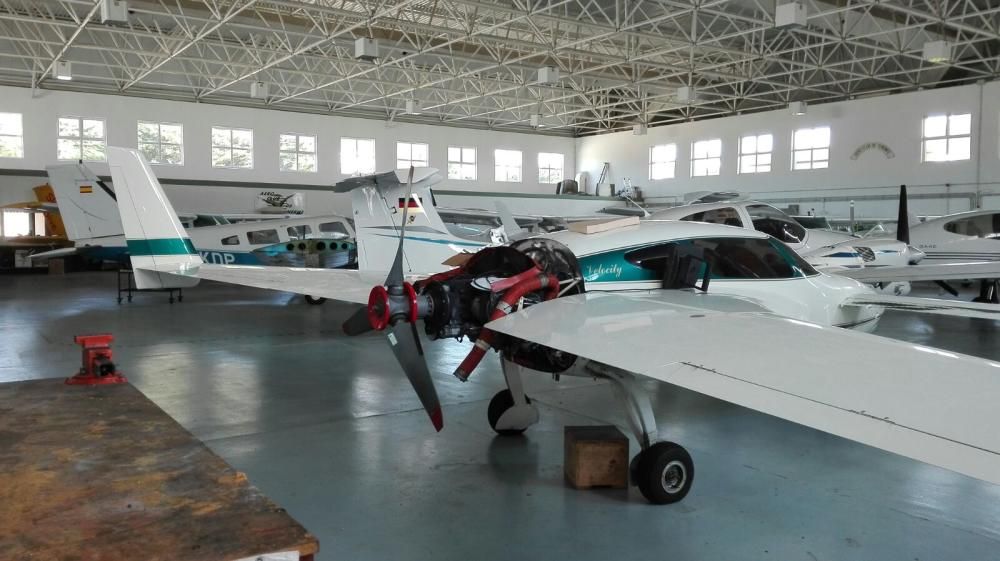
(315, 300)
(502, 402)
(663, 472)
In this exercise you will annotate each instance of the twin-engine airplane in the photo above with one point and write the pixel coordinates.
(728, 312)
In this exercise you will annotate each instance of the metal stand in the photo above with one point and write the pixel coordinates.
(126, 286)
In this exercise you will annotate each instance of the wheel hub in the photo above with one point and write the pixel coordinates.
(673, 477)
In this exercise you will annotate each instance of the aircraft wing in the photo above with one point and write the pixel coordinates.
(929, 272)
(928, 404)
(927, 305)
(348, 285)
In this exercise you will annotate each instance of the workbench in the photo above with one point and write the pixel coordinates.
(101, 473)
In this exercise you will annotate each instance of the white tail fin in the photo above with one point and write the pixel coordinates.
(157, 242)
(378, 215)
(86, 204)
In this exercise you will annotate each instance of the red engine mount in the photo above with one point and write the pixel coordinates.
(97, 367)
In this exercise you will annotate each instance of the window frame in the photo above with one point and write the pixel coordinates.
(462, 163)
(671, 162)
(159, 142)
(507, 167)
(298, 153)
(695, 159)
(549, 169)
(232, 148)
(756, 154)
(80, 139)
(412, 162)
(19, 144)
(811, 150)
(947, 137)
(358, 171)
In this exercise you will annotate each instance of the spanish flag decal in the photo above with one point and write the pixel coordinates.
(86, 189)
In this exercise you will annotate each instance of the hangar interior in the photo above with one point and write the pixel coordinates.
(811, 108)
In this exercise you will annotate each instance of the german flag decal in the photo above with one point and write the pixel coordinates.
(414, 205)
(86, 189)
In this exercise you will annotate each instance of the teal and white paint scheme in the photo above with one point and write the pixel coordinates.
(760, 337)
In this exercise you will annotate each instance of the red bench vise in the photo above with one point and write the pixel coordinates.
(97, 368)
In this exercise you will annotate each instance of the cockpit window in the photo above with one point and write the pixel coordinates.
(775, 223)
(728, 258)
(982, 226)
(727, 216)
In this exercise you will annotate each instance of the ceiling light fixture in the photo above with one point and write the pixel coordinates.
(63, 70)
(797, 108)
(412, 107)
(937, 51)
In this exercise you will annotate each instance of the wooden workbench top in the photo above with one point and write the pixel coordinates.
(102, 473)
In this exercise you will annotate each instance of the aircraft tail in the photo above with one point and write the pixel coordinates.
(159, 247)
(86, 204)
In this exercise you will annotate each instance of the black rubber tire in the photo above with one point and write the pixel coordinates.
(500, 403)
(649, 473)
(314, 300)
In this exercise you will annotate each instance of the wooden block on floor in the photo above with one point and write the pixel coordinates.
(595, 456)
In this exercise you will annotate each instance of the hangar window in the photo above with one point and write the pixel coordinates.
(727, 216)
(262, 236)
(982, 226)
(728, 258)
(11, 136)
(755, 153)
(550, 167)
(232, 148)
(462, 163)
(357, 156)
(333, 231)
(706, 157)
(662, 161)
(811, 148)
(507, 165)
(162, 143)
(947, 138)
(299, 232)
(775, 223)
(81, 139)
(412, 154)
(231, 240)
(297, 152)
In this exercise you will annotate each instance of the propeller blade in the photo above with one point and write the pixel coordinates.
(405, 345)
(358, 323)
(396, 272)
(903, 220)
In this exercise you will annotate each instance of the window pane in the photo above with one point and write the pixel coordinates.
(402, 164)
(286, 161)
(935, 126)
(699, 150)
(715, 148)
(148, 132)
(801, 156)
(242, 138)
(802, 139)
(307, 162)
(366, 146)
(403, 151)
(93, 128)
(94, 151)
(68, 149)
(468, 155)
(935, 150)
(822, 137)
(172, 154)
(748, 164)
(764, 160)
(765, 143)
(419, 152)
(69, 127)
(469, 171)
(150, 151)
(307, 144)
(286, 142)
(220, 157)
(10, 123)
(173, 134)
(220, 137)
(454, 171)
(242, 158)
(959, 148)
(748, 145)
(454, 154)
(960, 124)
(820, 165)
(822, 154)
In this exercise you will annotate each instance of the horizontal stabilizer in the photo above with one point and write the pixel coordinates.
(924, 272)
(932, 405)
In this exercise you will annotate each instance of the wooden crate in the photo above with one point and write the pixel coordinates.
(595, 456)
(102, 473)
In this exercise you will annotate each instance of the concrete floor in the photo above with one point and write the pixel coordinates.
(329, 428)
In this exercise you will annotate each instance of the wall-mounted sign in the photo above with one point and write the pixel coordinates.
(881, 147)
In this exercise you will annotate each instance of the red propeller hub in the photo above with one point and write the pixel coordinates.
(378, 308)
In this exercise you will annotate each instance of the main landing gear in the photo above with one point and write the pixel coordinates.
(663, 471)
(989, 292)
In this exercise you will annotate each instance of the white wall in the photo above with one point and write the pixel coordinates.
(40, 114)
(894, 120)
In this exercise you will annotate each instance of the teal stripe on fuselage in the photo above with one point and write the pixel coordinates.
(430, 240)
(161, 246)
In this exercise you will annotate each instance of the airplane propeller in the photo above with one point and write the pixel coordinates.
(394, 305)
(903, 220)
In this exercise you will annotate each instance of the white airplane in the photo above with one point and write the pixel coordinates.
(90, 213)
(728, 312)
